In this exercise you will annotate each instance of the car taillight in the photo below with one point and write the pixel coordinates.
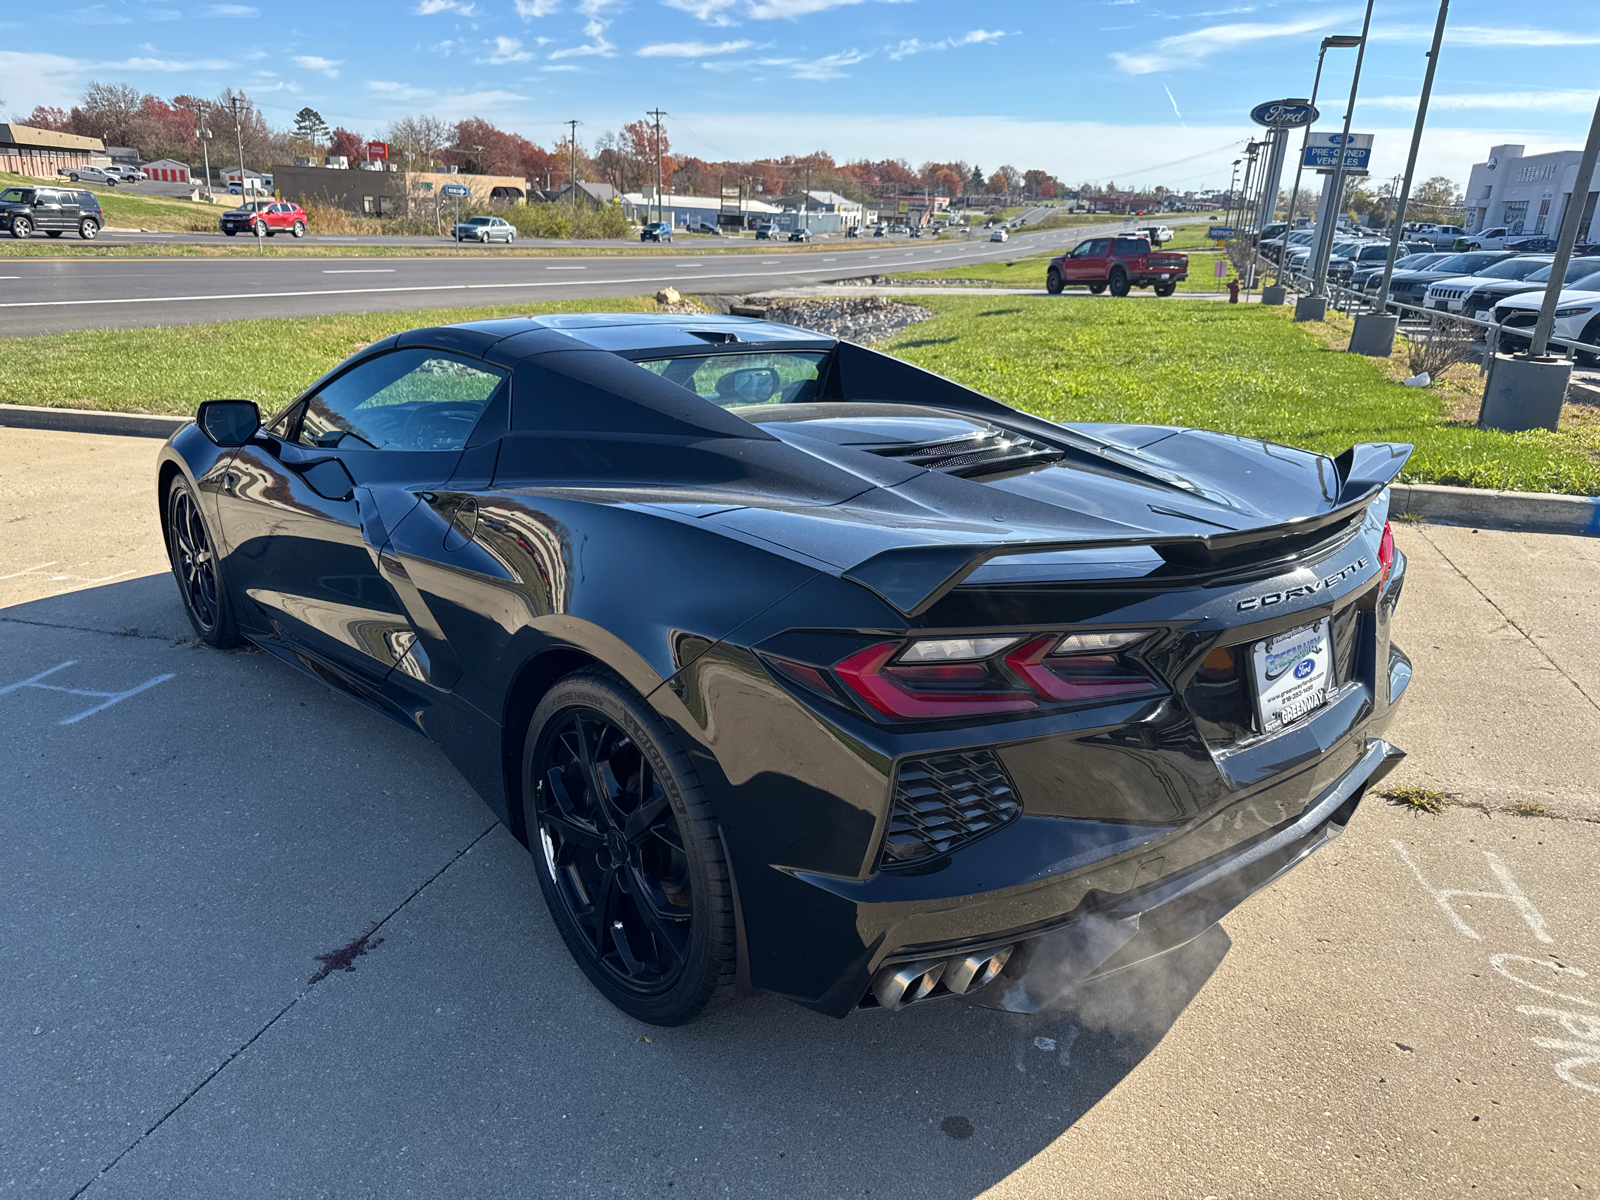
(928, 689)
(1385, 556)
(1076, 676)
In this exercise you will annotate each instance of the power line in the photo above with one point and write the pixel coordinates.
(1178, 162)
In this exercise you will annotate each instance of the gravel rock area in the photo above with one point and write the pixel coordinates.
(864, 319)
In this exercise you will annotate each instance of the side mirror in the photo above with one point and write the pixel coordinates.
(228, 422)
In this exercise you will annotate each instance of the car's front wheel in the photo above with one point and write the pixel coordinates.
(88, 228)
(1053, 283)
(192, 552)
(21, 227)
(1119, 283)
(628, 855)
(1589, 336)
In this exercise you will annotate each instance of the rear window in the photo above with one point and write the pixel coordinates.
(1131, 246)
(737, 380)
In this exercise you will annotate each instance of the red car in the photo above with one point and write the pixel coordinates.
(270, 215)
(1120, 263)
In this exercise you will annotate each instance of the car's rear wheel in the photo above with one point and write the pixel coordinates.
(21, 227)
(88, 228)
(1119, 284)
(1053, 283)
(629, 857)
(1165, 289)
(197, 569)
(299, 229)
(1097, 288)
(73, 176)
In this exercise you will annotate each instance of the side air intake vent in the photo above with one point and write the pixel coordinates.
(984, 452)
(944, 802)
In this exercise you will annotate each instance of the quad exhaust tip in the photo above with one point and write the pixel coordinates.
(900, 984)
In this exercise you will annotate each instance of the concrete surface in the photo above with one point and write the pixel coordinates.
(1414, 1012)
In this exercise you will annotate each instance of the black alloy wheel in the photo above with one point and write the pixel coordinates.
(1119, 283)
(1053, 283)
(88, 228)
(1165, 289)
(628, 855)
(1590, 336)
(21, 227)
(197, 570)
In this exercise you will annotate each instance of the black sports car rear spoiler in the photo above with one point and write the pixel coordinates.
(914, 578)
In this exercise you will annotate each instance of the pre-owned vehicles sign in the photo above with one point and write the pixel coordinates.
(1322, 151)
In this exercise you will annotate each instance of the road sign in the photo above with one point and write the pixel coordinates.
(377, 149)
(1220, 232)
(1220, 268)
(455, 189)
(1284, 114)
(1322, 151)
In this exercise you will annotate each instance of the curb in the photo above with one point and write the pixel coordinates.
(1534, 512)
(83, 420)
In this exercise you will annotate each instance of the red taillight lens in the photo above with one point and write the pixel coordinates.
(932, 690)
(1076, 676)
(1385, 556)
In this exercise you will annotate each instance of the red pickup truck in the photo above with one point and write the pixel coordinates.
(1118, 263)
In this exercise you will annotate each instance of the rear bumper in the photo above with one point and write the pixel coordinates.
(1119, 932)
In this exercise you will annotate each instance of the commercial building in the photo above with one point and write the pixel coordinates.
(848, 211)
(384, 193)
(1526, 193)
(687, 211)
(43, 153)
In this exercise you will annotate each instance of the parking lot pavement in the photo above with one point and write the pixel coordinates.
(1413, 1012)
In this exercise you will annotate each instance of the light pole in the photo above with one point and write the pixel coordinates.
(203, 136)
(1374, 332)
(1319, 282)
(1338, 42)
(238, 130)
(1232, 179)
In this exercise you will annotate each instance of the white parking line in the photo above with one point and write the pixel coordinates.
(360, 271)
(10, 276)
(566, 268)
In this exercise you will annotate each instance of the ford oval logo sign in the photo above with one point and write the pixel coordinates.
(1284, 114)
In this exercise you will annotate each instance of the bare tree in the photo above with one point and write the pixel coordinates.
(110, 112)
(421, 138)
(1012, 176)
(249, 128)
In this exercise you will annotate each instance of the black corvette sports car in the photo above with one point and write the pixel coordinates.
(800, 669)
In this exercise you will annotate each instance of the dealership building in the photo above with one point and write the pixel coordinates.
(1526, 193)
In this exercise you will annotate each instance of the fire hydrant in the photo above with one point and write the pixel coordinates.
(1233, 291)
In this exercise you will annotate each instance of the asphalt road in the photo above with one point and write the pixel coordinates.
(44, 295)
(1414, 1012)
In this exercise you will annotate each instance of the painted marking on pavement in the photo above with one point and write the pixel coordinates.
(1583, 1028)
(360, 271)
(107, 698)
(566, 268)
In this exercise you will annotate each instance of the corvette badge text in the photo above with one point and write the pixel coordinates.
(1305, 589)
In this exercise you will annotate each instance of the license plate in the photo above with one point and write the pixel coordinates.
(1165, 276)
(1292, 674)
(1441, 306)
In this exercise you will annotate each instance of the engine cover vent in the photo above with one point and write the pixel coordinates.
(944, 802)
(984, 452)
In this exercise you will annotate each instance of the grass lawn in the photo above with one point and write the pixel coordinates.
(1239, 368)
(1243, 369)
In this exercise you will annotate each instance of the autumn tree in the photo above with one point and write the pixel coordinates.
(110, 112)
(342, 143)
(55, 119)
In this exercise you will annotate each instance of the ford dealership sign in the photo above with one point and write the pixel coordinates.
(1284, 114)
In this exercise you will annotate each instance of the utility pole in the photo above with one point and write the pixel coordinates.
(238, 130)
(657, 114)
(805, 202)
(572, 159)
(203, 136)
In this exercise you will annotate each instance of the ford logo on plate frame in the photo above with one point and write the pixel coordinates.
(1284, 114)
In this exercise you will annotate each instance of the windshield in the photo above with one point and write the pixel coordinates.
(1585, 283)
(1467, 264)
(733, 380)
(1576, 269)
(17, 196)
(477, 220)
(1514, 268)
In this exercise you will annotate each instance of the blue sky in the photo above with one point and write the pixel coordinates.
(1139, 91)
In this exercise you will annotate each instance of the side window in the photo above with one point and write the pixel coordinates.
(1101, 248)
(404, 400)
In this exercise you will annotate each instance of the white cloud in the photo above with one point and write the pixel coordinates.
(527, 9)
(561, 67)
(784, 10)
(1486, 35)
(324, 66)
(507, 50)
(910, 46)
(163, 14)
(239, 11)
(1573, 100)
(817, 69)
(691, 49)
(167, 64)
(98, 14)
(598, 46)
(397, 98)
(1191, 49)
(427, 8)
(713, 12)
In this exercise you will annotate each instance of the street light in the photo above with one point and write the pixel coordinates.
(1342, 41)
(1319, 281)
